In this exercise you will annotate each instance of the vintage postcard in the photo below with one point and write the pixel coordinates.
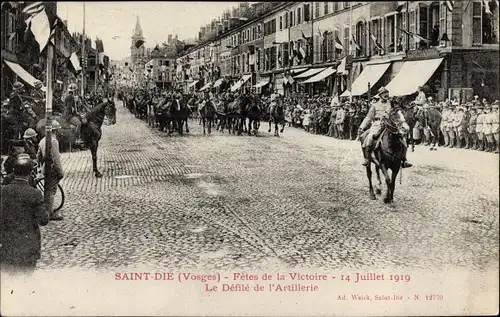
(250, 158)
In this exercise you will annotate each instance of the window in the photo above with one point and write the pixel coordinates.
(281, 23)
(412, 28)
(8, 27)
(316, 9)
(325, 5)
(484, 25)
(259, 61)
(299, 16)
(347, 4)
(443, 25)
(389, 33)
(290, 17)
(423, 25)
(286, 20)
(360, 39)
(273, 23)
(285, 57)
(335, 6)
(306, 13)
(273, 57)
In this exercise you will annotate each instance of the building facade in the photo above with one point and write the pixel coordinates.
(351, 48)
(137, 52)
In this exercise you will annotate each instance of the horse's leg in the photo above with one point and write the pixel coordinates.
(203, 120)
(187, 125)
(378, 189)
(282, 127)
(369, 176)
(93, 150)
(276, 129)
(269, 125)
(250, 121)
(394, 174)
(387, 198)
(210, 126)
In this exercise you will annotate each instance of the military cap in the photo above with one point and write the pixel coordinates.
(29, 133)
(382, 90)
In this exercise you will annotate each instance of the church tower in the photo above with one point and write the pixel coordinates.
(137, 53)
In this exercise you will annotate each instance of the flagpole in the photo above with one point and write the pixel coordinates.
(407, 26)
(51, 60)
(83, 53)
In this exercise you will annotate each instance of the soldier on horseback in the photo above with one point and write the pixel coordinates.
(71, 112)
(378, 110)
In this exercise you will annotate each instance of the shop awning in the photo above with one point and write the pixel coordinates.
(193, 83)
(327, 72)
(262, 83)
(298, 70)
(371, 74)
(312, 71)
(240, 82)
(218, 82)
(206, 86)
(412, 75)
(21, 72)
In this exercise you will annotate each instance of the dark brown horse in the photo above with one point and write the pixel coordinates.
(387, 152)
(207, 113)
(277, 115)
(430, 120)
(91, 128)
(411, 119)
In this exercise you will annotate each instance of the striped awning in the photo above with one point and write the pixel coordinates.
(21, 72)
(327, 72)
(310, 72)
(262, 83)
(240, 83)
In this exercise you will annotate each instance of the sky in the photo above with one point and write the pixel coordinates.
(158, 19)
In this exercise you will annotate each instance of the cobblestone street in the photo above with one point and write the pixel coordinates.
(300, 200)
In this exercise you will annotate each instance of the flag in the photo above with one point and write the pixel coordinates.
(101, 58)
(416, 37)
(449, 5)
(302, 52)
(75, 62)
(304, 36)
(353, 42)
(338, 44)
(486, 4)
(375, 42)
(99, 46)
(38, 23)
(279, 58)
(139, 43)
(11, 36)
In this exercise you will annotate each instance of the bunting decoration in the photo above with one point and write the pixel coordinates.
(302, 52)
(338, 44)
(38, 23)
(486, 4)
(354, 43)
(416, 37)
(304, 36)
(449, 5)
(375, 42)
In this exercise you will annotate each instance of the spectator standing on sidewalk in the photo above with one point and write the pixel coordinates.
(57, 173)
(21, 215)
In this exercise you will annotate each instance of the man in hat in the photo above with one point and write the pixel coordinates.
(377, 111)
(460, 125)
(444, 123)
(479, 127)
(471, 128)
(339, 121)
(487, 128)
(420, 100)
(495, 124)
(452, 125)
(21, 215)
(30, 144)
(71, 113)
(56, 172)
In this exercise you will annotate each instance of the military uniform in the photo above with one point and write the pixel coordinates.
(487, 129)
(444, 125)
(471, 129)
(479, 129)
(495, 124)
(459, 124)
(339, 122)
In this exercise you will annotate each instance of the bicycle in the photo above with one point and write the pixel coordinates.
(37, 181)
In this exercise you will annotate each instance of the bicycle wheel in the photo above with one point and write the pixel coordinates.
(59, 196)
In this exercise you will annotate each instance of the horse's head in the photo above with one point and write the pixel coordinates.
(110, 111)
(395, 121)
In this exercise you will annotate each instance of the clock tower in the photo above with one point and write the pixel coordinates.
(136, 53)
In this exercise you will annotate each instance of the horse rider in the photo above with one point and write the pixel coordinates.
(71, 110)
(421, 99)
(379, 110)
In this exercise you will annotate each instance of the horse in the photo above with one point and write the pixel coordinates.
(238, 113)
(224, 116)
(91, 128)
(253, 113)
(387, 152)
(430, 119)
(411, 119)
(207, 113)
(178, 113)
(277, 115)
